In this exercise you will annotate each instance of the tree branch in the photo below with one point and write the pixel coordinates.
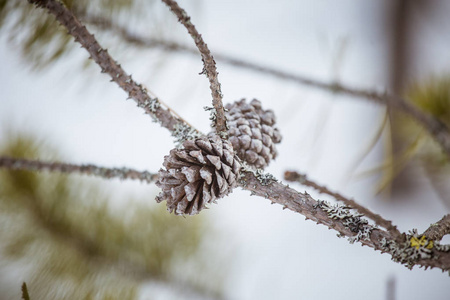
(209, 66)
(24, 289)
(379, 220)
(411, 249)
(437, 129)
(348, 224)
(107, 173)
(437, 230)
(340, 218)
(134, 90)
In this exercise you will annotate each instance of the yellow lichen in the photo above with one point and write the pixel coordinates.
(422, 242)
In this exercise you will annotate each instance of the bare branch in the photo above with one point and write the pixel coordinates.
(134, 90)
(410, 249)
(209, 66)
(107, 173)
(130, 37)
(25, 295)
(347, 224)
(379, 220)
(437, 230)
(434, 126)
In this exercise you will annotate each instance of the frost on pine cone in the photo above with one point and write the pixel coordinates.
(204, 170)
(252, 132)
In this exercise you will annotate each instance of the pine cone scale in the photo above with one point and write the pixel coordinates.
(226, 170)
(191, 173)
(215, 161)
(185, 157)
(204, 145)
(191, 190)
(206, 193)
(206, 174)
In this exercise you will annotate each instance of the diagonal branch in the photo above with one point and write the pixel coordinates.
(24, 289)
(107, 173)
(437, 129)
(209, 66)
(134, 90)
(379, 220)
(410, 249)
(339, 218)
(437, 230)
(347, 224)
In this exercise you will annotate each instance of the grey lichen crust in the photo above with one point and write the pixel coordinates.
(414, 247)
(183, 132)
(351, 220)
(151, 104)
(204, 170)
(212, 115)
(263, 178)
(409, 252)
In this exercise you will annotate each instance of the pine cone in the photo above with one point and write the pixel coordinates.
(203, 171)
(252, 132)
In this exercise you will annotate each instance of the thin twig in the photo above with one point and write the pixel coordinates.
(107, 173)
(434, 126)
(437, 230)
(379, 220)
(134, 90)
(304, 204)
(270, 189)
(209, 66)
(25, 295)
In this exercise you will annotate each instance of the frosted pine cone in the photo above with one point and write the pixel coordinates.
(252, 132)
(203, 171)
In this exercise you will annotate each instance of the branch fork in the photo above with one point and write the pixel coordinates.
(410, 249)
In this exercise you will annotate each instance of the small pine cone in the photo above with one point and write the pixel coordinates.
(252, 132)
(203, 171)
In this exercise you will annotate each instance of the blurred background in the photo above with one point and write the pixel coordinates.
(72, 237)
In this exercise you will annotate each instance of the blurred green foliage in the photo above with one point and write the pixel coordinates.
(431, 95)
(416, 145)
(78, 247)
(40, 38)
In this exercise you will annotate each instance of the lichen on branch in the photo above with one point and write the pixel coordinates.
(294, 176)
(209, 66)
(347, 224)
(108, 65)
(86, 169)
